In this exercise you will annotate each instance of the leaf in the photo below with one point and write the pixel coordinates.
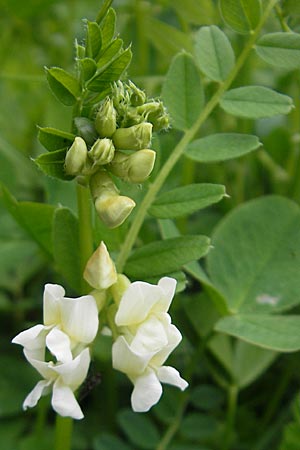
(109, 442)
(64, 86)
(186, 200)
(241, 15)
(255, 102)
(53, 163)
(197, 12)
(162, 257)
(103, 11)
(110, 53)
(53, 139)
(279, 333)
(221, 147)
(291, 437)
(88, 68)
(213, 53)
(255, 262)
(182, 92)
(280, 49)
(139, 429)
(207, 397)
(197, 426)
(66, 247)
(111, 73)
(108, 27)
(93, 39)
(35, 218)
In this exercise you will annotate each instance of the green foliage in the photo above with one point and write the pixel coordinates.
(52, 164)
(280, 49)
(241, 15)
(140, 429)
(182, 92)
(53, 139)
(64, 86)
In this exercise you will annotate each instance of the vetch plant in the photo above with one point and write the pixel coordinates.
(128, 253)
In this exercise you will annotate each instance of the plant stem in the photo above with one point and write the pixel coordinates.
(85, 230)
(185, 140)
(172, 429)
(63, 433)
(231, 412)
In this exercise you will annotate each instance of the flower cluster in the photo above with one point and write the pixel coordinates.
(141, 327)
(70, 325)
(116, 143)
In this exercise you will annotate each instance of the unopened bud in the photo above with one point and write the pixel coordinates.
(136, 137)
(113, 210)
(76, 157)
(118, 289)
(100, 271)
(102, 152)
(106, 119)
(101, 183)
(86, 129)
(134, 168)
(155, 113)
(137, 96)
(100, 297)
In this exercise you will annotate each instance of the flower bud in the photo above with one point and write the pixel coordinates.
(100, 271)
(76, 157)
(117, 289)
(113, 210)
(106, 119)
(101, 183)
(86, 129)
(137, 96)
(155, 113)
(134, 168)
(100, 297)
(102, 152)
(136, 137)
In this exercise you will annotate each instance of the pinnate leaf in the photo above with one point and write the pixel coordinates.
(64, 86)
(241, 15)
(53, 163)
(280, 49)
(53, 139)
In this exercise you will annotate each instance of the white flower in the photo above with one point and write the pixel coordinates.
(69, 326)
(147, 339)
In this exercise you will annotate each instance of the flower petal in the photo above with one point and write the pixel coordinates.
(79, 318)
(73, 373)
(33, 340)
(146, 393)
(174, 338)
(150, 336)
(41, 388)
(53, 294)
(168, 286)
(126, 360)
(169, 375)
(64, 401)
(59, 345)
(44, 368)
(136, 303)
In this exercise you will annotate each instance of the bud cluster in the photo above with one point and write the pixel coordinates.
(116, 143)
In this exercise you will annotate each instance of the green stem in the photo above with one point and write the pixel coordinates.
(231, 413)
(185, 140)
(63, 433)
(172, 429)
(85, 230)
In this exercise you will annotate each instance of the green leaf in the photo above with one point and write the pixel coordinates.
(139, 429)
(66, 247)
(213, 53)
(109, 442)
(88, 68)
(241, 15)
(108, 27)
(93, 39)
(52, 164)
(291, 7)
(182, 92)
(207, 397)
(162, 257)
(53, 139)
(255, 102)
(35, 218)
(280, 49)
(255, 262)
(291, 437)
(197, 426)
(64, 86)
(102, 81)
(279, 333)
(221, 147)
(110, 53)
(197, 12)
(103, 11)
(186, 200)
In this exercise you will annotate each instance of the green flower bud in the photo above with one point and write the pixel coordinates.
(117, 290)
(155, 113)
(137, 96)
(100, 271)
(86, 129)
(106, 119)
(113, 210)
(102, 152)
(101, 183)
(76, 157)
(136, 137)
(134, 168)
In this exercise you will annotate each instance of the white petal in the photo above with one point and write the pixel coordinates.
(59, 345)
(33, 341)
(40, 389)
(44, 368)
(64, 401)
(53, 294)
(150, 336)
(174, 338)
(168, 286)
(169, 375)
(127, 361)
(79, 318)
(136, 303)
(74, 373)
(146, 393)
(100, 271)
